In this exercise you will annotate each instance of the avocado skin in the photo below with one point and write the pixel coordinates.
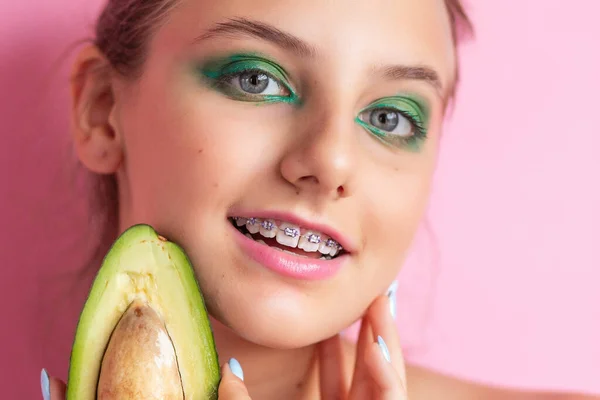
(197, 357)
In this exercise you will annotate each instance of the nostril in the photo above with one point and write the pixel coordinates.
(310, 179)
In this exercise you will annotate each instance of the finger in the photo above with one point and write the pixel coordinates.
(332, 376)
(58, 389)
(387, 382)
(361, 380)
(52, 388)
(384, 325)
(232, 385)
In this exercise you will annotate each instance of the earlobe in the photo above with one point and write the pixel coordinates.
(95, 132)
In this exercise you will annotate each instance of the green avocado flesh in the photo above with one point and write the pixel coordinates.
(144, 267)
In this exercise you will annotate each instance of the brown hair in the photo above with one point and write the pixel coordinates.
(123, 31)
(126, 26)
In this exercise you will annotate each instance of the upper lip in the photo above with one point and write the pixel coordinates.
(344, 241)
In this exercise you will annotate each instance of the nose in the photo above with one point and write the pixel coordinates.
(323, 159)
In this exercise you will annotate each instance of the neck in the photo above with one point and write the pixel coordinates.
(268, 373)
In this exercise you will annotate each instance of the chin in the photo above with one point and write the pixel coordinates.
(276, 323)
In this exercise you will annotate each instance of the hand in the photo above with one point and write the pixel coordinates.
(232, 385)
(379, 371)
(52, 388)
(231, 388)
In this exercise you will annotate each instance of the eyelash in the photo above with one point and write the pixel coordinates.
(419, 130)
(415, 121)
(412, 142)
(224, 80)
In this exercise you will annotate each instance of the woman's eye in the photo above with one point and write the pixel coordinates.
(258, 83)
(389, 121)
(245, 77)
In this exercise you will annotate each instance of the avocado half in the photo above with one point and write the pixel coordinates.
(144, 327)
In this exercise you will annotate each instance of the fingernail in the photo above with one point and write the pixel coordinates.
(384, 349)
(391, 294)
(236, 368)
(45, 382)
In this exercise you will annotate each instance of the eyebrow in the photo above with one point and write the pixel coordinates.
(418, 73)
(242, 27)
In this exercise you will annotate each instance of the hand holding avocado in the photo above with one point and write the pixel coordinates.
(144, 328)
(378, 374)
(154, 339)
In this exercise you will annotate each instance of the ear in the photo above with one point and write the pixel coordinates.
(97, 140)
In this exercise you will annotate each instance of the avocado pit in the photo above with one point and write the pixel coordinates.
(140, 360)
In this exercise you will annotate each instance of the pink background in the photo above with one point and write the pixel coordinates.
(515, 214)
(517, 207)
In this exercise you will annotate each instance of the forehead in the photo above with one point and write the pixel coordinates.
(356, 32)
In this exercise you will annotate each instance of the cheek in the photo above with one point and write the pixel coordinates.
(394, 215)
(189, 149)
(169, 143)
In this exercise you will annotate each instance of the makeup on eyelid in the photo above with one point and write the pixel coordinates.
(413, 110)
(251, 77)
(221, 71)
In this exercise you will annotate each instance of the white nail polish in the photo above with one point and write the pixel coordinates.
(45, 382)
(236, 368)
(391, 294)
(384, 349)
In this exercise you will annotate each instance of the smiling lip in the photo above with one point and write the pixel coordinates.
(342, 240)
(289, 265)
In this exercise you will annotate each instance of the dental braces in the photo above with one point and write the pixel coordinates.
(268, 225)
(292, 232)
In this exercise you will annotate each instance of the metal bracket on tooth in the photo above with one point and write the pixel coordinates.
(268, 225)
(314, 238)
(291, 232)
(333, 244)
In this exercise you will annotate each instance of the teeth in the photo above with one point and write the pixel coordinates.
(309, 242)
(324, 249)
(288, 235)
(268, 228)
(252, 225)
(240, 221)
(314, 238)
(332, 243)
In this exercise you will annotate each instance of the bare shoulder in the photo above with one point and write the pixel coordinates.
(424, 384)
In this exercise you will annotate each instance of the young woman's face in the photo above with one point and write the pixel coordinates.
(320, 119)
